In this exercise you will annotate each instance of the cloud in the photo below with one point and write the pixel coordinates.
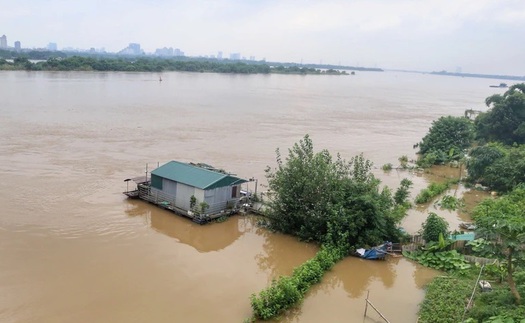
(368, 31)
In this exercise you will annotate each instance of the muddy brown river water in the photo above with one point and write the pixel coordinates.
(72, 249)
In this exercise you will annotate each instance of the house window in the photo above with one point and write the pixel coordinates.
(234, 191)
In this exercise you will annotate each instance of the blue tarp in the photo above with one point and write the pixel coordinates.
(378, 252)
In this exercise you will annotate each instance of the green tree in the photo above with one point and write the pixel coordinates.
(403, 191)
(482, 157)
(506, 172)
(502, 222)
(433, 227)
(447, 138)
(505, 120)
(330, 201)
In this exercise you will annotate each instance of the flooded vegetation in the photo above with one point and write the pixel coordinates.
(74, 249)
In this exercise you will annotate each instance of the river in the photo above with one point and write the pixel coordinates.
(73, 249)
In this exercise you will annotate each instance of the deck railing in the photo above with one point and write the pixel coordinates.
(169, 201)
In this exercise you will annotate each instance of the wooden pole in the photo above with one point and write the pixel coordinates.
(366, 307)
(382, 316)
(366, 301)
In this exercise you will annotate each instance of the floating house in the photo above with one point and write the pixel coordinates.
(182, 187)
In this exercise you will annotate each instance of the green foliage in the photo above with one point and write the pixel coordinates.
(317, 198)
(221, 219)
(449, 202)
(496, 271)
(450, 261)
(446, 139)
(60, 62)
(387, 167)
(496, 306)
(286, 292)
(402, 193)
(505, 120)
(433, 227)
(403, 161)
(506, 172)
(482, 157)
(433, 190)
(193, 201)
(479, 247)
(501, 222)
(203, 206)
(281, 295)
(445, 300)
(429, 159)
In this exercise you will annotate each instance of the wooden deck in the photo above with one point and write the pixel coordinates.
(167, 202)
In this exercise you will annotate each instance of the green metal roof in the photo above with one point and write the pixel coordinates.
(196, 176)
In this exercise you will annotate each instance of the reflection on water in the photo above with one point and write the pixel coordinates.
(276, 259)
(204, 238)
(391, 284)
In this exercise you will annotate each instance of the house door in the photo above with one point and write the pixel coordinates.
(234, 191)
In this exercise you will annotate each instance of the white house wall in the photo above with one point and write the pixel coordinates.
(184, 193)
(169, 187)
(217, 198)
(180, 194)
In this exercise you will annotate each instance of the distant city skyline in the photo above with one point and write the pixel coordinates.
(479, 36)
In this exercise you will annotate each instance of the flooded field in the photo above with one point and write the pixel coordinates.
(75, 250)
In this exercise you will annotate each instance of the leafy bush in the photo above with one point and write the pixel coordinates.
(403, 161)
(287, 292)
(402, 193)
(498, 304)
(450, 261)
(449, 202)
(433, 190)
(315, 194)
(445, 300)
(221, 219)
(387, 167)
(447, 136)
(433, 226)
(272, 301)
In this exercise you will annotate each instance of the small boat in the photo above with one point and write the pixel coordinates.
(501, 85)
(375, 253)
(467, 226)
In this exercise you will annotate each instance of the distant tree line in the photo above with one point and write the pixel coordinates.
(44, 55)
(147, 64)
(487, 76)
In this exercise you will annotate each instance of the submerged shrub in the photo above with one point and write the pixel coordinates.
(287, 292)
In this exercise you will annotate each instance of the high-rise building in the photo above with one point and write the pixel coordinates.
(18, 46)
(132, 49)
(164, 51)
(219, 55)
(235, 56)
(135, 48)
(3, 41)
(52, 47)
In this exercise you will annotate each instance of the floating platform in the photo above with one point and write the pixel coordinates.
(143, 192)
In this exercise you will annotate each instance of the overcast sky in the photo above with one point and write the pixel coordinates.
(479, 36)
